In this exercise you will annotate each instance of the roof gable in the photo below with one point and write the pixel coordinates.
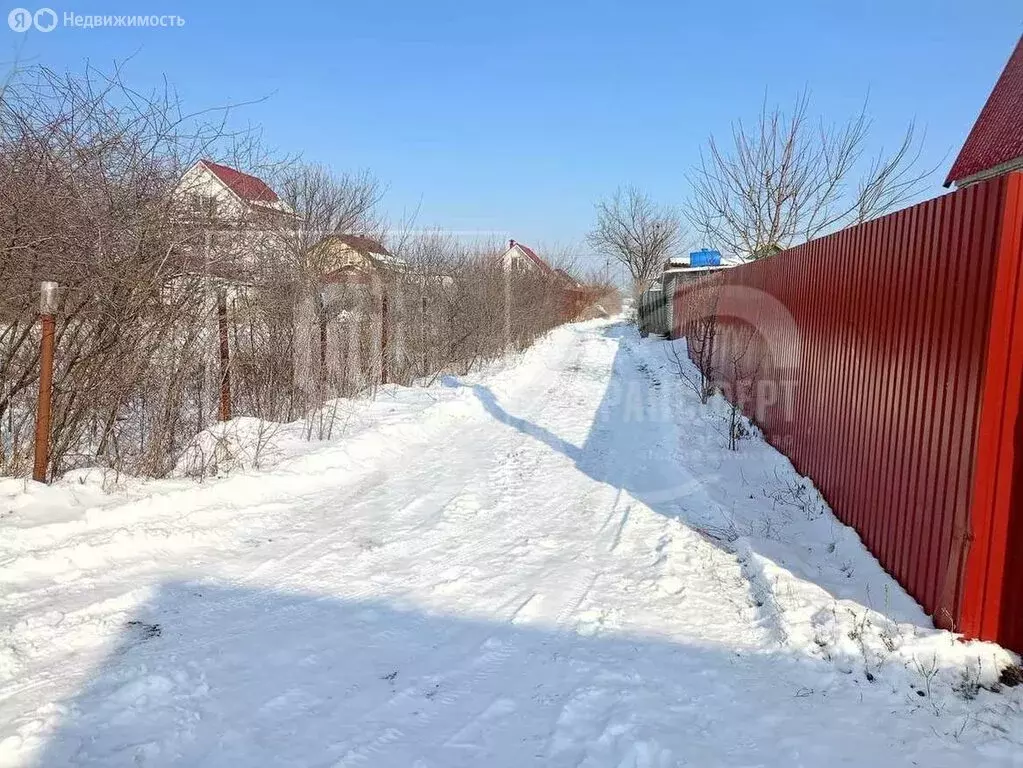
(530, 254)
(369, 251)
(997, 136)
(247, 187)
(362, 244)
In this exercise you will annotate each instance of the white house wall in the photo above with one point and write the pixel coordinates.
(199, 180)
(511, 253)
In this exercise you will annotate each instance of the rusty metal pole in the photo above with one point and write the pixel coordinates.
(225, 357)
(47, 310)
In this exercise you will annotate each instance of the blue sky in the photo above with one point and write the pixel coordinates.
(515, 117)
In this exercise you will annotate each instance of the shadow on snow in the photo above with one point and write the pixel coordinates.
(206, 675)
(636, 444)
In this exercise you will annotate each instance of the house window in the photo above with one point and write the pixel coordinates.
(204, 206)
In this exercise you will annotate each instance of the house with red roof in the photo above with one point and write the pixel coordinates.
(355, 258)
(995, 144)
(219, 191)
(240, 222)
(522, 258)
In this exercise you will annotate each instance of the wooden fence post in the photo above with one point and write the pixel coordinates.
(47, 310)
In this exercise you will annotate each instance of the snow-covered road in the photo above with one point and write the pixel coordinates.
(556, 562)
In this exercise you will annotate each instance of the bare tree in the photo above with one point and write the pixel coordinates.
(632, 229)
(789, 178)
(326, 202)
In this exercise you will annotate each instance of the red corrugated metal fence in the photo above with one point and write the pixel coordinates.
(886, 361)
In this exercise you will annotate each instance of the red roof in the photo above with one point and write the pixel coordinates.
(544, 266)
(242, 184)
(997, 136)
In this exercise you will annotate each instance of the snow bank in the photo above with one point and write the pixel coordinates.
(812, 581)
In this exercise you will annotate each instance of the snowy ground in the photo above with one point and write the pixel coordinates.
(557, 562)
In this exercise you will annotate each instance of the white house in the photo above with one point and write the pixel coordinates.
(242, 223)
(215, 190)
(522, 258)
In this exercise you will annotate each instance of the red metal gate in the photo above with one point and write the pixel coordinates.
(886, 361)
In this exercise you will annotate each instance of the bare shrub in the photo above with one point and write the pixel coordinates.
(701, 372)
(86, 170)
(158, 282)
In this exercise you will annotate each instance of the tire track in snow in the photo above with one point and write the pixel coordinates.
(484, 666)
(314, 553)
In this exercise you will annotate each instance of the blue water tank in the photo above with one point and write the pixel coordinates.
(705, 258)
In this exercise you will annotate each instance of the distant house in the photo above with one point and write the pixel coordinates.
(691, 267)
(354, 258)
(995, 144)
(343, 316)
(522, 258)
(216, 191)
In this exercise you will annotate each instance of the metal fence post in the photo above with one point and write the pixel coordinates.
(47, 310)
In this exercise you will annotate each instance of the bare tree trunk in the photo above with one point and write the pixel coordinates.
(225, 357)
